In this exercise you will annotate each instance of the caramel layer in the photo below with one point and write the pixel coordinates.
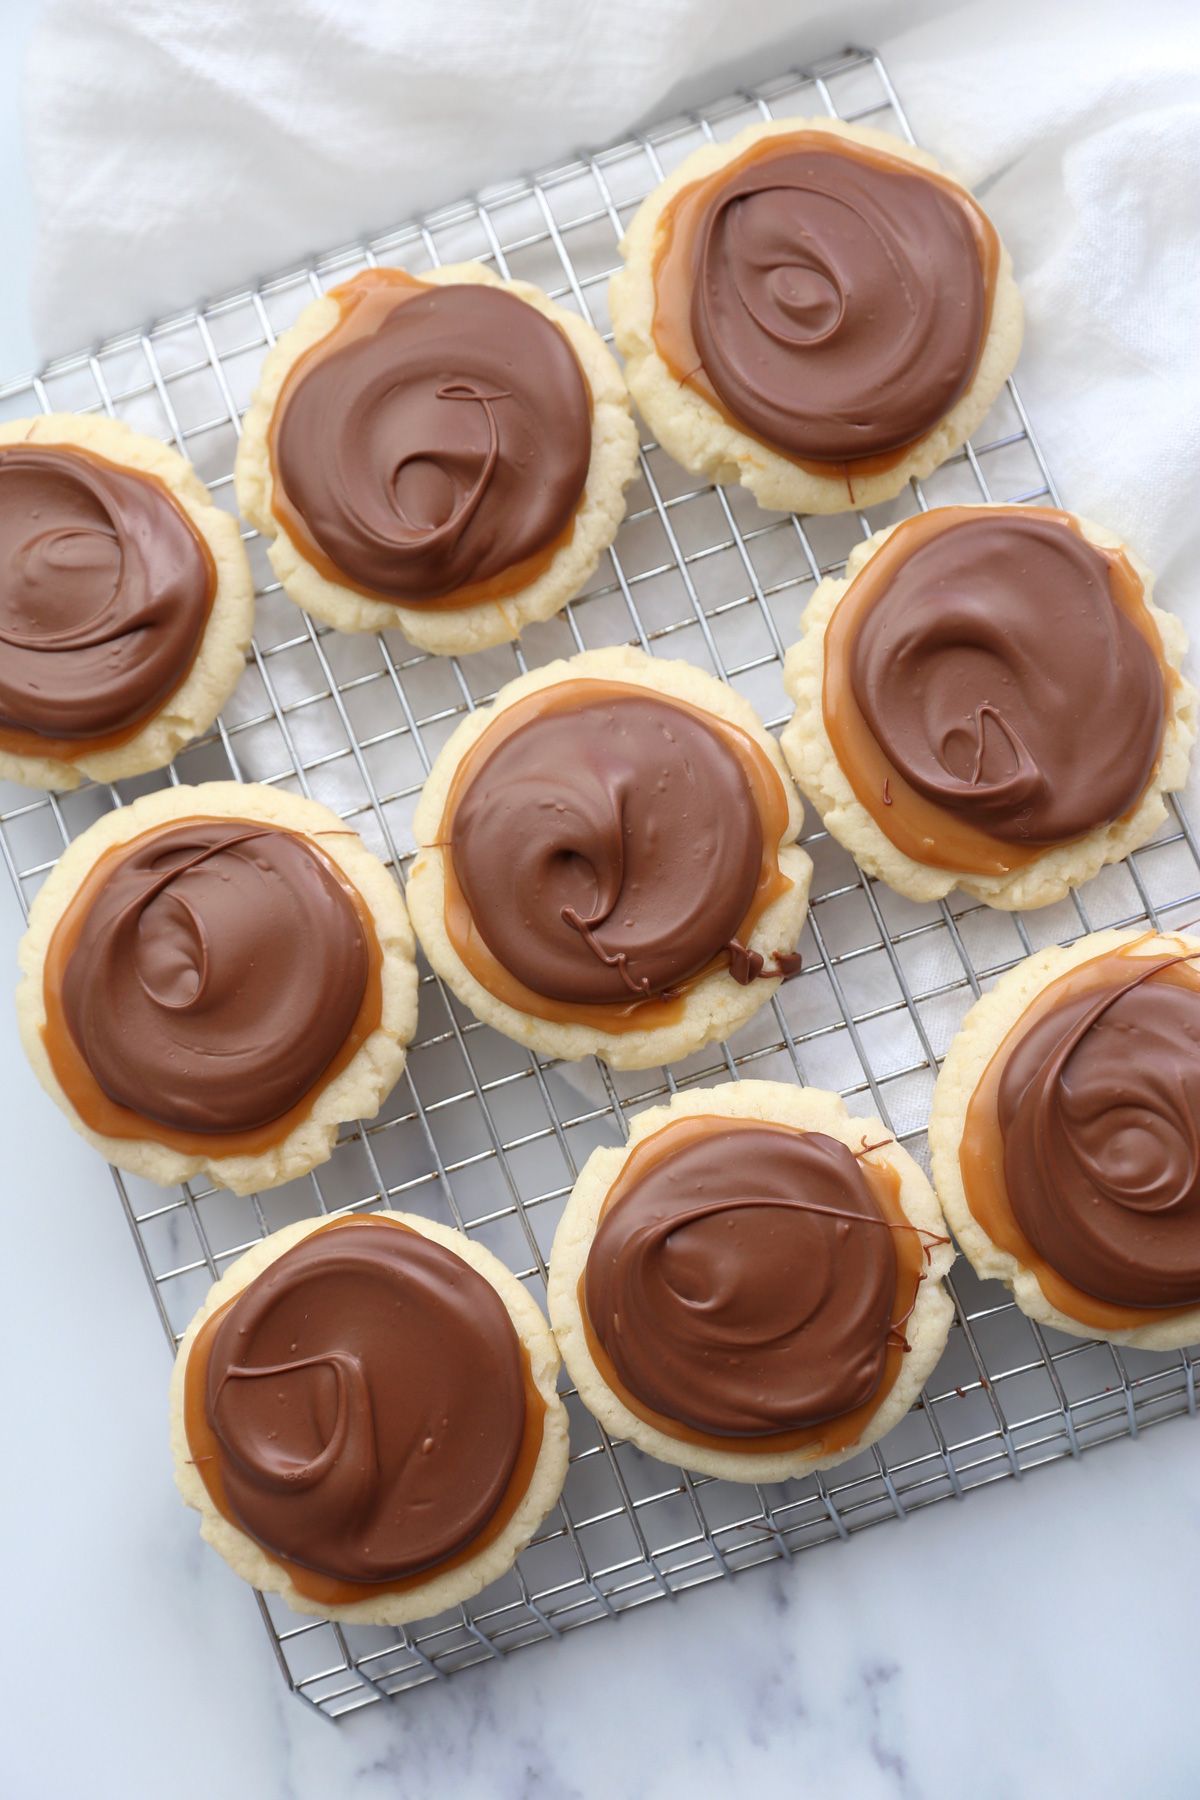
(929, 833)
(103, 609)
(982, 1151)
(110, 1119)
(328, 1590)
(681, 230)
(636, 1015)
(367, 303)
(834, 1434)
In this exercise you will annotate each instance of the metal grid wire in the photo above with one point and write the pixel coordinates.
(489, 1136)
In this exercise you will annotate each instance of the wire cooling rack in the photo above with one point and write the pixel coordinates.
(488, 1136)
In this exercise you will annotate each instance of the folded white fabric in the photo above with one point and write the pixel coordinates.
(1078, 124)
(179, 149)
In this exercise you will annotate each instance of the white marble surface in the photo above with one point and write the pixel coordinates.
(1034, 1640)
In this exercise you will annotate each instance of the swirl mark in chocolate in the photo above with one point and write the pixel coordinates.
(105, 590)
(368, 1398)
(1003, 682)
(1099, 1103)
(217, 974)
(439, 437)
(839, 303)
(744, 1285)
(609, 849)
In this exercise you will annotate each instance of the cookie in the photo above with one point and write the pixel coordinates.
(215, 979)
(126, 603)
(445, 453)
(990, 700)
(607, 861)
(816, 310)
(364, 1414)
(1063, 1137)
(752, 1286)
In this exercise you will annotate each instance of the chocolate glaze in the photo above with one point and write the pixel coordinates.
(838, 299)
(1099, 1104)
(609, 849)
(941, 836)
(744, 1284)
(437, 439)
(1005, 685)
(367, 1395)
(105, 590)
(218, 972)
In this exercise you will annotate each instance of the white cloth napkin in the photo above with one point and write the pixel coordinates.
(178, 149)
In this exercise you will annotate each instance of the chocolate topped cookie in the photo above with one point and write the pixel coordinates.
(1063, 1137)
(126, 602)
(447, 453)
(990, 699)
(364, 1413)
(607, 860)
(216, 978)
(752, 1286)
(815, 310)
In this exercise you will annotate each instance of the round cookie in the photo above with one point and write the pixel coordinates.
(174, 1018)
(660, 1273)
(936, 647)
(725, 831)
(150, 594)
(441, 549)
(701, 313)
(504, 1345)
(1127, 1108)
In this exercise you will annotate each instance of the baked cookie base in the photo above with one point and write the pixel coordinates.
(221, 657)
(365, 1081)
(983, 1031)
(691, 429)
(773, 1102)
(255, 1565)
(715, 1006)
(451, 631)
(811, 758)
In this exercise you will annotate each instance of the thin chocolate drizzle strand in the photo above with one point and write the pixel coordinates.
(219, 971)
(415, 484)
(608, 850)
(105, 590)
(731, 1291)
(999, 676)
(368, 1398)
(838, 306)
(1099, 1105)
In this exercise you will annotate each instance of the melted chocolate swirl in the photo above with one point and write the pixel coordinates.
(105, 590)
(1001, 679)
(441, 448)
(368, 1398)
(217, 974)
(744, 1285)
(838, 305)
(1099, 1107)
(608, 850)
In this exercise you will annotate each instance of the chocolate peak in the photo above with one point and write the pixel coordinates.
(367, 1394)
(105, 590)
(218, 972)
(608, 850)
(744, 1284)
(1098, 1106)
(437, 438)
